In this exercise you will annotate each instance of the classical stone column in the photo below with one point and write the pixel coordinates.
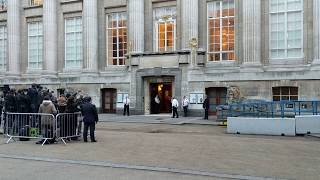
(190, 20)
(50, 36)
(251, 10)
(316, 31)
(14, 37)
(136, 25)
(90, 19)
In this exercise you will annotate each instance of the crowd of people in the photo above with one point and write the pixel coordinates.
(29, 100)
(37, 99)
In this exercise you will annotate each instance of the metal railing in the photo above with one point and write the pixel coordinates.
(45, 127)
(269, 109)
(27, 126)
(68, 126)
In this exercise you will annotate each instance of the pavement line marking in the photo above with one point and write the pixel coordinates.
(138, 167)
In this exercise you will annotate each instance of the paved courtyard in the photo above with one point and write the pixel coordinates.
(163, 148)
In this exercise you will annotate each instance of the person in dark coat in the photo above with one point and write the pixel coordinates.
(33, 95)
(23, 102)
(71, 122)
(11, 102)
(90, 118)
(206, 106)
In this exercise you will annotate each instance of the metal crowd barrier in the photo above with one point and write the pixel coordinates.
(68, 126)
(26, 126)
(269, 109)
(46, 127)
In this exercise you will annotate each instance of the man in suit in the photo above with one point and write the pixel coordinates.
(90, 118)
(206, 106)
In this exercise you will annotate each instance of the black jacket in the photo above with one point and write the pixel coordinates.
(206, 104)
(89, 113)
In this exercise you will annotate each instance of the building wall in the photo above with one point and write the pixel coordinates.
(254, 82)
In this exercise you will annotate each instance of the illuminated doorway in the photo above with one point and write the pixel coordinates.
(164, 92)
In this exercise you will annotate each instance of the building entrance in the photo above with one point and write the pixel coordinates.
(217, 96)
(109, 100)
(164, 92)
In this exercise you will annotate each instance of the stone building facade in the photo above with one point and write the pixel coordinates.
(109, 49)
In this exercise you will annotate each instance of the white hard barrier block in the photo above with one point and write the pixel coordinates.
(308, 124)
(262, 126)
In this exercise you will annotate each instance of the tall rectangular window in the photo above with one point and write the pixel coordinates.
(3, 47)
(73, 43)
(35, 2)
(165, 28)
(35, 45)
(221, 15)
(286, 29)
(117, 38)
(3, 5)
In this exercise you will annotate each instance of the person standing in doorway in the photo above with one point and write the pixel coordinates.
(206, 106)
(157, 104)
(126, 106)
(175, 105)
(185, 104)
(90, 118)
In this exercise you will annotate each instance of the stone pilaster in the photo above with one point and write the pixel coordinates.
(50, 36)
(190, 20)
(316, 32)
(136, 25)
(14, 37)
(251, 10)
(90, 19)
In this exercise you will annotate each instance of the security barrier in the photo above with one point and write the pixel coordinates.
(46, 127)
(68, 126)
(26, 126)
(274, 109)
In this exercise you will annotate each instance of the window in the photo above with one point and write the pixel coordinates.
(35, 2)
(73, 43)
(116, 38)
(3, 47)
(286, 29)
(165, 29)
(285, 93)
(221, 15)
(35, 45)
(3, 5)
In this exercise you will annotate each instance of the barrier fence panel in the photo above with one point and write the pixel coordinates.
(271, 109)
(68, 126)
(26, 126)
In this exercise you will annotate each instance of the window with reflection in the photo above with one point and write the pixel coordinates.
(73, 43)
(116, 38)
(286, 29)
(3, 5)
(164, 29)
(285, 93)
(221, 15)
(3, 47)
(35, 45)
(35, 2)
